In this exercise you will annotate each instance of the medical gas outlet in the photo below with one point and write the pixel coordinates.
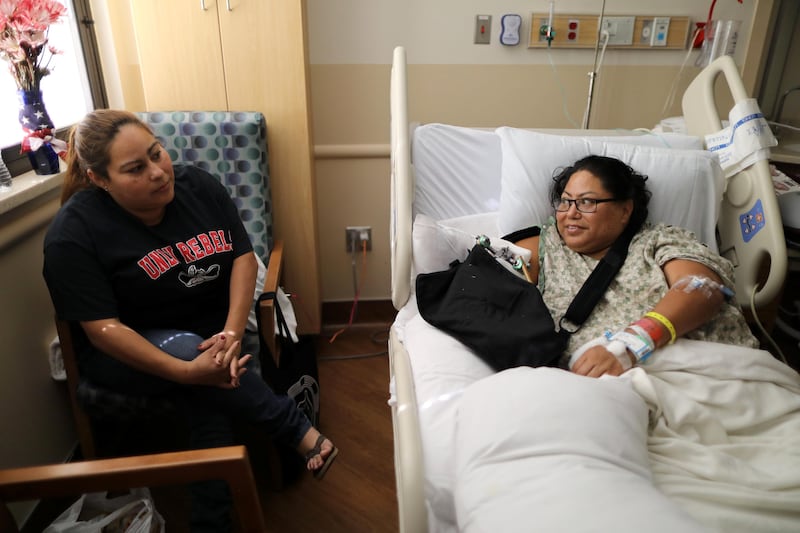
(628, 32)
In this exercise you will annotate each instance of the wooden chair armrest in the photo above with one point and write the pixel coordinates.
(267, 308)
(230, 464)
(83, 425)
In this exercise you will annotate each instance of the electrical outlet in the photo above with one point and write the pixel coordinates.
(355, 236)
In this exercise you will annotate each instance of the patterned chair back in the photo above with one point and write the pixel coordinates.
(232, 146)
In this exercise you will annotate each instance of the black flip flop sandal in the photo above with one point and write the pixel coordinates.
(319, 473)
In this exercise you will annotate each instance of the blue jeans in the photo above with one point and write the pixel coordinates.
(209, 411)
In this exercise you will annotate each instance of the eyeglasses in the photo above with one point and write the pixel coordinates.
(584, 205)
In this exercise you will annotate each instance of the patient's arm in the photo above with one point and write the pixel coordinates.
(685, 309)
(688, 309)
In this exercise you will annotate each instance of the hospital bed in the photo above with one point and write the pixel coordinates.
(535, 450)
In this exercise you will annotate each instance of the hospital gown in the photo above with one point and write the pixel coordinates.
(639, 285)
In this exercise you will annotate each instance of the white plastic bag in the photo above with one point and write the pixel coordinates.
(96, 512)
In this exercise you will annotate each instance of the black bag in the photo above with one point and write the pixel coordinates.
(503, 317)
(497, 314)
(297, 376)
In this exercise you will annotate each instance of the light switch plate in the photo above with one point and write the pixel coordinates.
(483, 29)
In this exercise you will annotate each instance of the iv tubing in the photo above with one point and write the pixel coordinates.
(593, 73)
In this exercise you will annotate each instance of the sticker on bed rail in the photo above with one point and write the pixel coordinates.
(752, 221)
(746, 140)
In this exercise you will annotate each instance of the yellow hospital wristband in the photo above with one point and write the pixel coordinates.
(664, 321)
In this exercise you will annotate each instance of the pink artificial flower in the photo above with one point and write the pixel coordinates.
(7, 8)
(24, 26)
(39, 14)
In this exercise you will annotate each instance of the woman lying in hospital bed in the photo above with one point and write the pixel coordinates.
(704, 435)
(669, 286)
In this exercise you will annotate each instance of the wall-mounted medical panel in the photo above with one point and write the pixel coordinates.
(634, 32)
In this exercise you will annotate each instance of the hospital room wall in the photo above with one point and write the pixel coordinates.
(455, 81)
(35, 417)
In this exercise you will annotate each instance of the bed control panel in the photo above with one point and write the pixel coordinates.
(752, 221)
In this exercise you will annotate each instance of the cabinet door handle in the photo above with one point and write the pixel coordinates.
(203, 5)
(228, 5)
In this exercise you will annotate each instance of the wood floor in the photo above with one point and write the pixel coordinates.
(358, 493)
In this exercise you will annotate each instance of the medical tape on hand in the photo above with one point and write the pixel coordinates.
(706, 286)
(616, 348)
(619, 350)
(598, 341)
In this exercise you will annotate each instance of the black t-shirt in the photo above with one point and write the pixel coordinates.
(102, 262)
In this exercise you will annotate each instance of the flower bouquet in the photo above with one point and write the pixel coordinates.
(24, 26)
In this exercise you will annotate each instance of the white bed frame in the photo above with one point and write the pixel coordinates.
(748, 258)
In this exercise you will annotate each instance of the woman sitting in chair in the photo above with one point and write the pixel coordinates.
(155, 265)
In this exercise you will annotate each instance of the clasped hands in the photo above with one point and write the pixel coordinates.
(220, 360)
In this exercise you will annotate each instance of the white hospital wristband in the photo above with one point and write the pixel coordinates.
(638, 346)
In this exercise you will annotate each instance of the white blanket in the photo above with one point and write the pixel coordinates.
(546, 450)
(724, 437)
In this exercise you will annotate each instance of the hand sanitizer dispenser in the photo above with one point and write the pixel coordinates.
(509, 33)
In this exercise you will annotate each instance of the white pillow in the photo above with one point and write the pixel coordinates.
(687, 185)
(436, 244)
(456, 170)
(547, 450)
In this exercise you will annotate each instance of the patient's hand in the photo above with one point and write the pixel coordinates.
(597, 361)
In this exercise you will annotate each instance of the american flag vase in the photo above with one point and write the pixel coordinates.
(39, 139)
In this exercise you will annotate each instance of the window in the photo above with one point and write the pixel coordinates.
(67, 91)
